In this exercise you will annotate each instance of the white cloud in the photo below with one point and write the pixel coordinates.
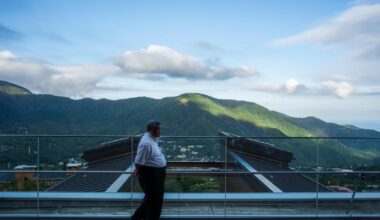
(340, 89)
(355, 32)
(76, 81)
(161, 60)
(158, 59)
(42, 77)
(6, 54)
(290, 86)
(358, 25)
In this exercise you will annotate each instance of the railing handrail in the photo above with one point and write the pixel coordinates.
(177, 171)
(205, 196)
(189, 136)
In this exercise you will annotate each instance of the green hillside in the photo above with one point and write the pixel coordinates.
(187, 114)
(12, 89)
(245, 111)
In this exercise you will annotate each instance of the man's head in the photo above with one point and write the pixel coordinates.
(153, 128)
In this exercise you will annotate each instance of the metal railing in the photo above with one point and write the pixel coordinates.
(223, 202)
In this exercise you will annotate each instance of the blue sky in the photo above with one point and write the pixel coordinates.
(301, 58)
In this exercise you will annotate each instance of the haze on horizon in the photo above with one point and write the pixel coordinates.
(302, 58)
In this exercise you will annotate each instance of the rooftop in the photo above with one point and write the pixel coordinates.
(21, 167)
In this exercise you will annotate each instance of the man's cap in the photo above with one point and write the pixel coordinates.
(152, 124)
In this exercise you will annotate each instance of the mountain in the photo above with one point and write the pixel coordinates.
(187, 114)
(13, 89)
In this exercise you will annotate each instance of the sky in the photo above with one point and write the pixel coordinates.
(302, 58)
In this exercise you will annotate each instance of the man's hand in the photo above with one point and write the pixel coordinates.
(136, 170)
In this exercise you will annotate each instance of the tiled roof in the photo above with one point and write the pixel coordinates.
(94, 182)
(111, 149)
(286, 182)
(258, 148)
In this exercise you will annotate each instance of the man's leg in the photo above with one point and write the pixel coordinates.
(150, 193)
(157, 198)
(140, 212)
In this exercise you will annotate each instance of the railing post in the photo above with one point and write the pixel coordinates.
(132, 160)
(177, 185)
(38, 176)
(356, 182)
(317, 186)
(225, 176)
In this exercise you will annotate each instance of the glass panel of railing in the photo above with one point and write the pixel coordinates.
(366, 200)
(86, 173)
(191, 163)
(18, 161)
(271, 176)
(349, 154)
(352, 163)
(353, 193)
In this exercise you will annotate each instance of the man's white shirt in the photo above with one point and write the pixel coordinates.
(149, 153)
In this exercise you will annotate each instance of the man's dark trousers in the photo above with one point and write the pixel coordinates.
(152, 181)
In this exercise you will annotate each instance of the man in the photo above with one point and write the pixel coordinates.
(151, 171)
